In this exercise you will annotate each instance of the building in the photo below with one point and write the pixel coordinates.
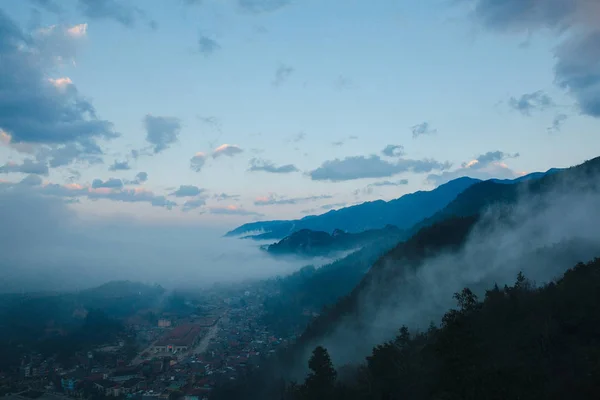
(164, 323)
(180, 339)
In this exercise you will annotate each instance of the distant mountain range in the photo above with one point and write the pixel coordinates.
(403, 212)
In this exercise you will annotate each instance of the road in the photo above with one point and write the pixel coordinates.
(212, 332)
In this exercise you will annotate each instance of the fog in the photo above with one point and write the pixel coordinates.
(541, 236)
(45, 245)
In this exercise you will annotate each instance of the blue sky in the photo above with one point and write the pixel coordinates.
(299, 97)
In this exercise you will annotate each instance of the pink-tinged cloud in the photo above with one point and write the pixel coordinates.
(198, 161)
(78, 31)
(228, 150)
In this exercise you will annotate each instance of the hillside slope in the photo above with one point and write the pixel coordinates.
(319, 243)
(467, 244)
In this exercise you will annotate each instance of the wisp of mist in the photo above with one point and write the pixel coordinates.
(542, 236)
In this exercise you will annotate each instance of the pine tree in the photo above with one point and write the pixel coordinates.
(320, 382)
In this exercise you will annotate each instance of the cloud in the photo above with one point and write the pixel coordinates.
(262, 6)
(557, 123)
(233, 210)
(576, 68)
(111, 183)
(400, 182)
(359, 167)
(367, 190)
(528, 102)
(198, 161)
(225, 196)
(161, 132)
(187, 191)
(26, 167)
(208, 46)
(282, 74)
(257, 164)
(141, 177)
(486, 166)
(48, 5)
(422, 129)
(41, 110)
(298, 137)
(111, 189)
(393, 150)
(343, 83)
(116, 10)
(338, 143)
(119, 166)
(228, 150)
(31, 180)
(273, 199)
(193, 204)
(61, 155)
(332, 206)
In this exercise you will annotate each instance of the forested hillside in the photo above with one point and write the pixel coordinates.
(518, 342)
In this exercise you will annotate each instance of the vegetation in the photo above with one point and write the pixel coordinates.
(520, 342)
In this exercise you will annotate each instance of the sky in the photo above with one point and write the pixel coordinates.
(219, 112)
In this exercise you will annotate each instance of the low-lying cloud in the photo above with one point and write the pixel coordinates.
(542, 236)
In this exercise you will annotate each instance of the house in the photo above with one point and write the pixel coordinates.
(124, 374)
(109, 388)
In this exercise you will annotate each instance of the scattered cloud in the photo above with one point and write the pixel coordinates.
(400, 182)
(343, 83)
(333, 206)
(298, 137)
(282, 74)
(193, 204)
(557, 123)
(161, 132)
(187, 191)
(112, 183)
(359, 167)
(233, 210)
(116, 10)
(107, 190)
(486, 166)
(225, 196)
(273, 199)
(45, 112)
(576, 68)
(529, 102)
(393, 150)
(198, 161)
(262, 6)
(26, 167)
(31, 180)
(208, 46)
(140, 178)
(119, 166)
(228, 150)
(422, 129)
(257, 164)
(368, 190)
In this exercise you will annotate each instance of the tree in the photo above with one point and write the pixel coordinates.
(320, 382)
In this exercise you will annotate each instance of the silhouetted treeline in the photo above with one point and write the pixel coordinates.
(519, 342)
